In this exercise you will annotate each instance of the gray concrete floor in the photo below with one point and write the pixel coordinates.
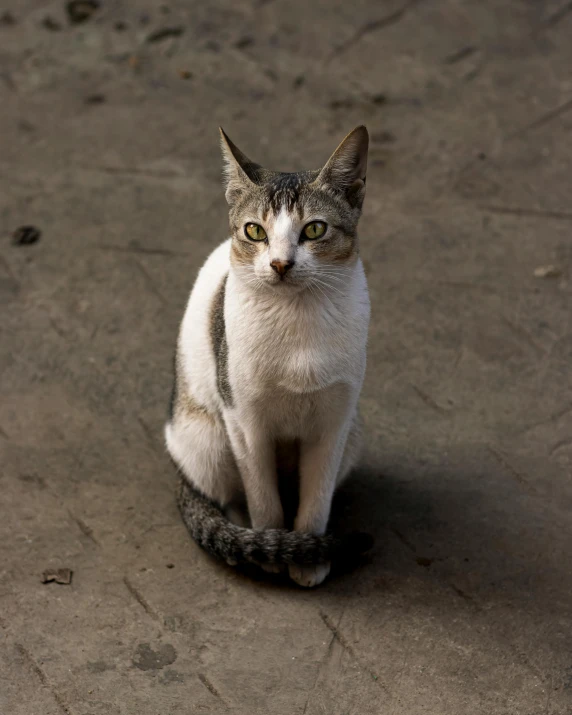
(110, 148)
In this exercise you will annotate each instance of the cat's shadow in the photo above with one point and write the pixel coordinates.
(439, 527)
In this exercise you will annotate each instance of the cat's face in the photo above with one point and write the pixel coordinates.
(295, 230)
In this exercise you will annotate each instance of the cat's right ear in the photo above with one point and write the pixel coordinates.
(239, 171)
(346, 169)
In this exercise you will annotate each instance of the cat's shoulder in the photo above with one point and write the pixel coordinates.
(219, 259)
(214, 268)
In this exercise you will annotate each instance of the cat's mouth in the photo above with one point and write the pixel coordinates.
(287, 282)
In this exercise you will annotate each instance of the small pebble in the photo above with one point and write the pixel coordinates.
(50, 24)
(379, 98)
(7, 19)
(384, 137)
(244, 42)
(460, 54)
(165, 33)
(342, 103)
(26, 236)
(547, 272)
(25, 126)
(95, 99)
(424, 561)
(81, 10)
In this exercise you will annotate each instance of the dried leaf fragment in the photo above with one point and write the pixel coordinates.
(63, 576)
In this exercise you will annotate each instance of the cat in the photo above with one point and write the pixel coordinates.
(272, 351)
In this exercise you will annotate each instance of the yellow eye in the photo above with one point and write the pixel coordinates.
(315, 229)
(255, 232)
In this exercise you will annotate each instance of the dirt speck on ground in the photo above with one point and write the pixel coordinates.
(146, 658)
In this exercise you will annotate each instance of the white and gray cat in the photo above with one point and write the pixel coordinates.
(272, 352)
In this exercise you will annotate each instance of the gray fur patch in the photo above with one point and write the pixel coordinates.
(220, 345)
(284, 189)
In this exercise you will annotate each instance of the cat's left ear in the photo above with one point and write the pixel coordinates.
(239, 171)
(346, 169)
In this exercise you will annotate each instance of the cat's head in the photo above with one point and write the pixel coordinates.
(290, 230)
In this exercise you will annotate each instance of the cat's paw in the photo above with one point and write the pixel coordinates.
(309, 576)
(273, 568)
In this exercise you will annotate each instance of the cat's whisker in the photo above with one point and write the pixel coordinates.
(317, 281)
(316, 284)
(336, 276)
(340, 274)
(336, 267)
(332, 273)
(332, 278)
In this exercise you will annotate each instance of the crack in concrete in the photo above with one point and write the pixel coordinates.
(83, 527)
(372, 26)
(520, 332)
(350, 649)
(511, 470)
(150, 282)
(136, 248)
(532, 213)
(211, 688)
(42, 677)
(141, 600)
(428, 400)
(544, 119)
(559, 14)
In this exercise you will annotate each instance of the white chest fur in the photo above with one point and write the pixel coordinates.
(299, 343)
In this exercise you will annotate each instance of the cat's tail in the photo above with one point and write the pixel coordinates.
(236, 545)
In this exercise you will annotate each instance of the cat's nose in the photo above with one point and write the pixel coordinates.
(281, 267)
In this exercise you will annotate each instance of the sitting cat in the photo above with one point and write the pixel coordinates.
(272, 351)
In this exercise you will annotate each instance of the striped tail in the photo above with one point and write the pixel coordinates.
(236, 545)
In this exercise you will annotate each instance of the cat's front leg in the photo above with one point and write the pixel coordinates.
(256, 458)
(320, 460)
(255, 454)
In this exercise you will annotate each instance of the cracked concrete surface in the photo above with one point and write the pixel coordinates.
(109, 145)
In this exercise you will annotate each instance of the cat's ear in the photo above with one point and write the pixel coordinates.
(239, 171)
(346, 169)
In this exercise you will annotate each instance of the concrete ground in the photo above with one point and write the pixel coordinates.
(108, 134)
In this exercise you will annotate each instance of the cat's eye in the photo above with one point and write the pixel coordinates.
(316, 229)
(255, 232)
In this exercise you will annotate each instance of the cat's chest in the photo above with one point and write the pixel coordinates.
(298, 351)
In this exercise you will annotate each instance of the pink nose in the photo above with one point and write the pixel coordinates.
(281, 267)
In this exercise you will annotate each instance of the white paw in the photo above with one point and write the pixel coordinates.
(273, 568)
(309, 576)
